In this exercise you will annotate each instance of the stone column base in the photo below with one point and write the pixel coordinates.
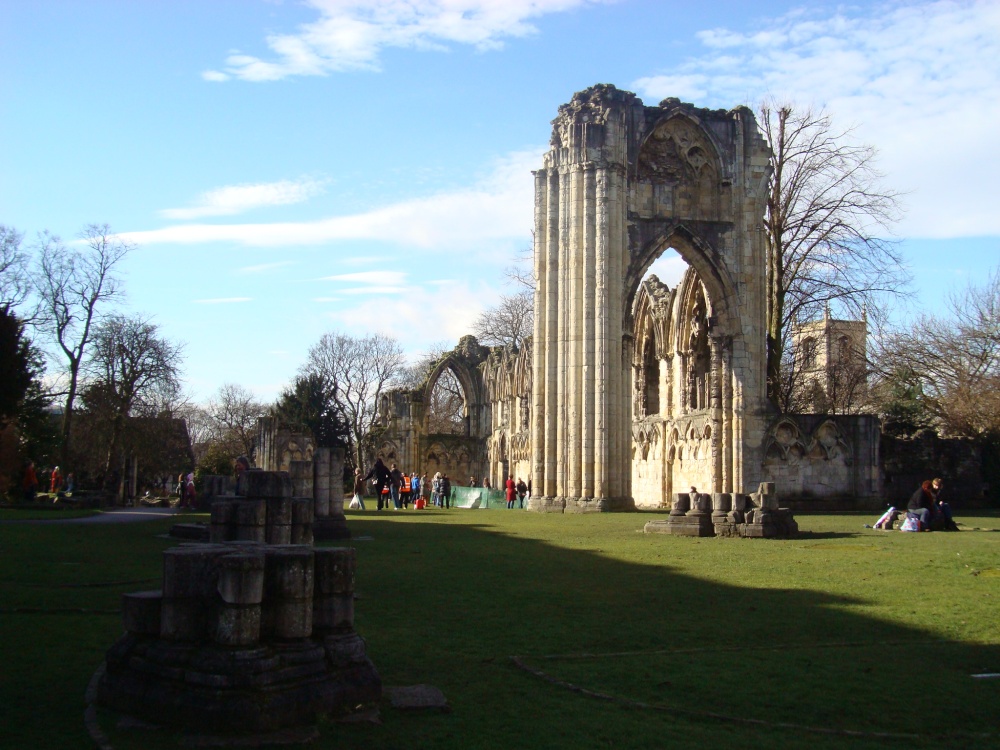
(599, 504)
(330, 527)
(547, 504)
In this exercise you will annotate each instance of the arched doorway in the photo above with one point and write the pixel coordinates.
(622, 183)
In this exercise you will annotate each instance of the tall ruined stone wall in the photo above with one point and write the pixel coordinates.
(621, 183)
(407, 438)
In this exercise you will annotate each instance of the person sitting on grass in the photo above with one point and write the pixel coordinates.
(921, 505)
(941, 511)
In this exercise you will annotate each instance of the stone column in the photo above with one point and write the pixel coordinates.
(321, 481)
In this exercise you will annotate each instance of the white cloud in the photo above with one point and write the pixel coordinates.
(920, 80)
(222, 300)
(262, 267)
(350, 34)
(393, 278)
(235, 199)
(421, 317)
(498, 208)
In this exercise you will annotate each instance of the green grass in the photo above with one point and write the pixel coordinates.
(701, 642)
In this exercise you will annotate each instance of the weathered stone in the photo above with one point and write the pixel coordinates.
(264, 484)
(291, 618)
(418, 698)
(183, 619)
(289, 572)
(251, 512)
(278, 534)
(256, 534)
(279, 511)
(141, 612)
(335, 570)
(237, 625)
(333, 612)
(241, 578)
(302, 533)
(302, 510)
(189, 571)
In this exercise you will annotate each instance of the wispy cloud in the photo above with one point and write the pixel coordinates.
(235, 199)
(920, 81)
(370, 277)
(500, 207)
(222, 300)
(261, 268)
(350, 34)
(419, 318)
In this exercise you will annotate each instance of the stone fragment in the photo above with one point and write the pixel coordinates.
(417, 698)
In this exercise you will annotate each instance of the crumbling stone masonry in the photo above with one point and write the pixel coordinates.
(621, 183)
(251, 633)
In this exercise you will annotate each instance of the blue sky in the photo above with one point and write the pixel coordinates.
(288, 168)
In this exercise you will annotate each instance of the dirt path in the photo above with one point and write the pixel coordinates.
(114, 515)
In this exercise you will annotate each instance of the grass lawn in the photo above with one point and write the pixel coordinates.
(699, 642)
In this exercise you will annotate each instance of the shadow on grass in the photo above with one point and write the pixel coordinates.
(449, 604)
(692, 637)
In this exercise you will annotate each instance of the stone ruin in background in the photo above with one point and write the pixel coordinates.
(728, 514)
(252, 632)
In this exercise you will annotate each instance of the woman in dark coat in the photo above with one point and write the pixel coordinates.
(922, 504)
(381, 476)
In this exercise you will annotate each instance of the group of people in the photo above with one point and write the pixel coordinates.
(57, 482)
(933, 513)
(399, 488)
(514, 489)
(391, 485)
(925, 511)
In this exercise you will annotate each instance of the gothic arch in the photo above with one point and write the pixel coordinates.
(621, 183)
(706, 263)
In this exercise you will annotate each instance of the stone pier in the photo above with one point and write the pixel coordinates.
(252, 632)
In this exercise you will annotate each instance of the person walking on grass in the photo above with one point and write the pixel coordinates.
(510, 491)
(358, 501)
(446, 491)
(522, 490)
(381, 476)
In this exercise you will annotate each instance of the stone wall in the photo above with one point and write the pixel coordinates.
(909, 461)
(825, 462)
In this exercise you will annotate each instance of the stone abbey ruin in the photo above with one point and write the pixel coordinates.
(630, 392)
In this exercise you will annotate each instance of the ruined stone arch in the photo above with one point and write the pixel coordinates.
(784, 441)
(622, 182)
(720, 289)
(829, 443)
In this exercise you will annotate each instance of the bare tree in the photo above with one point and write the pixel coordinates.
(359, 370)
(72, 285)
(827, 217)
(951, 363)
(14, 277)
(414, 375)
(130, 364)
(446, 410)
(235, 410)
(509, 322)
